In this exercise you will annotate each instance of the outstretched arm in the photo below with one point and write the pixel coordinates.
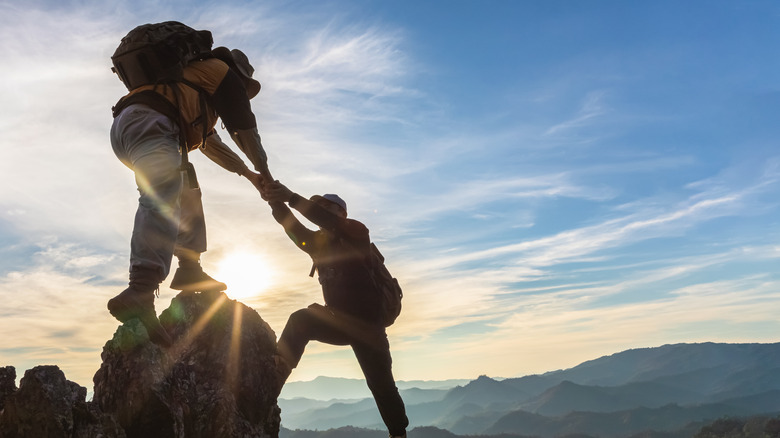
(299, 234)
(232, 104)
(221, 154)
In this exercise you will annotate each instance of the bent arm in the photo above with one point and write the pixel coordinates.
(299, 234)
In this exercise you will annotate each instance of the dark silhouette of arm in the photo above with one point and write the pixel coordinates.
(299, 234)
(232, 104)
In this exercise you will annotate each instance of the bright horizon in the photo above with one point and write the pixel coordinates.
(550, 181)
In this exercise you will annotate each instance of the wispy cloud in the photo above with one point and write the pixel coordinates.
(592, 107)
(561, 258)
(531, 331)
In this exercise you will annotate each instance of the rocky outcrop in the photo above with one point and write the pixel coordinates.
(7, 383)
(48, 405)
(217, 380)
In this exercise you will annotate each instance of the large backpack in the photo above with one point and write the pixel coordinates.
(384, 283)
(153, 54)
(387, 285)
(157, 53)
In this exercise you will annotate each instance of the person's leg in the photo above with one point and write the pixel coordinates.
(191, 240)
(157, 216)
(190, 243)
(315, 322)
(147, 142)
(375, 361)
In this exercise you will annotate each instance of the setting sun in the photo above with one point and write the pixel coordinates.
(246, 274)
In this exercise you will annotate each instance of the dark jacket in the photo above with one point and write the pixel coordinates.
(339, 254)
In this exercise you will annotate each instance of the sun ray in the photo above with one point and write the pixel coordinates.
(180, 346)
(247, 274)
(234, 359)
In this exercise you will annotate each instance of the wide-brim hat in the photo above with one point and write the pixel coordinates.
(335, 199)
(239, 63)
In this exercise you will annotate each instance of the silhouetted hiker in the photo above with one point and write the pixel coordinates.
(150, 124)
(352, 312)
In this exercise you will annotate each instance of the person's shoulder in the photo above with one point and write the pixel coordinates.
(210, 70)
(355, 226)
(212, 64)
(355, 222)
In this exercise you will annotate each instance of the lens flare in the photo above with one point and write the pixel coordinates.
(246, 274)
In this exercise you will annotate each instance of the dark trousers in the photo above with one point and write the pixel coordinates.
(372, 350)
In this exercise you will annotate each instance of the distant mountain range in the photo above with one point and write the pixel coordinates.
(667, 389)
(329, 388)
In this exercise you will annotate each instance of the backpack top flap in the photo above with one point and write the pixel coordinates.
(157, 53)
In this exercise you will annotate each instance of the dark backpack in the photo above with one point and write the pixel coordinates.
(384, 283)
(387, 285)
(157, 53)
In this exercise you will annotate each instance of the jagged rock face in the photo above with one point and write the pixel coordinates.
(7, 383)
(48, 405)
(216, 381)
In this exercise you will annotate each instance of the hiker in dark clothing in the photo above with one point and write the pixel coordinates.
(351, 314)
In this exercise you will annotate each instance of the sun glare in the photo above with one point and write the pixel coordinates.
(246, 274)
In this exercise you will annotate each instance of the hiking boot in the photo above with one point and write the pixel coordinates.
(191, 278)
(136, 303)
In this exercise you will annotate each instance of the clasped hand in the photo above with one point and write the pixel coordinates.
(273, 191)
(276, 192)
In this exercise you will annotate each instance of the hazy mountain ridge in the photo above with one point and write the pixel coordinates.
(339, 388)
(666, 388)
(568, 396)
(648, 364)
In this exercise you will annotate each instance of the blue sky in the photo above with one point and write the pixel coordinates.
(551, 181)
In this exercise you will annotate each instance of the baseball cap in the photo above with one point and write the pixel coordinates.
(336, 199)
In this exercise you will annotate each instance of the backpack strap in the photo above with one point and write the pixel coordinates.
(186, 166)
(203, 102)
(159, 103)
(150, 98)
